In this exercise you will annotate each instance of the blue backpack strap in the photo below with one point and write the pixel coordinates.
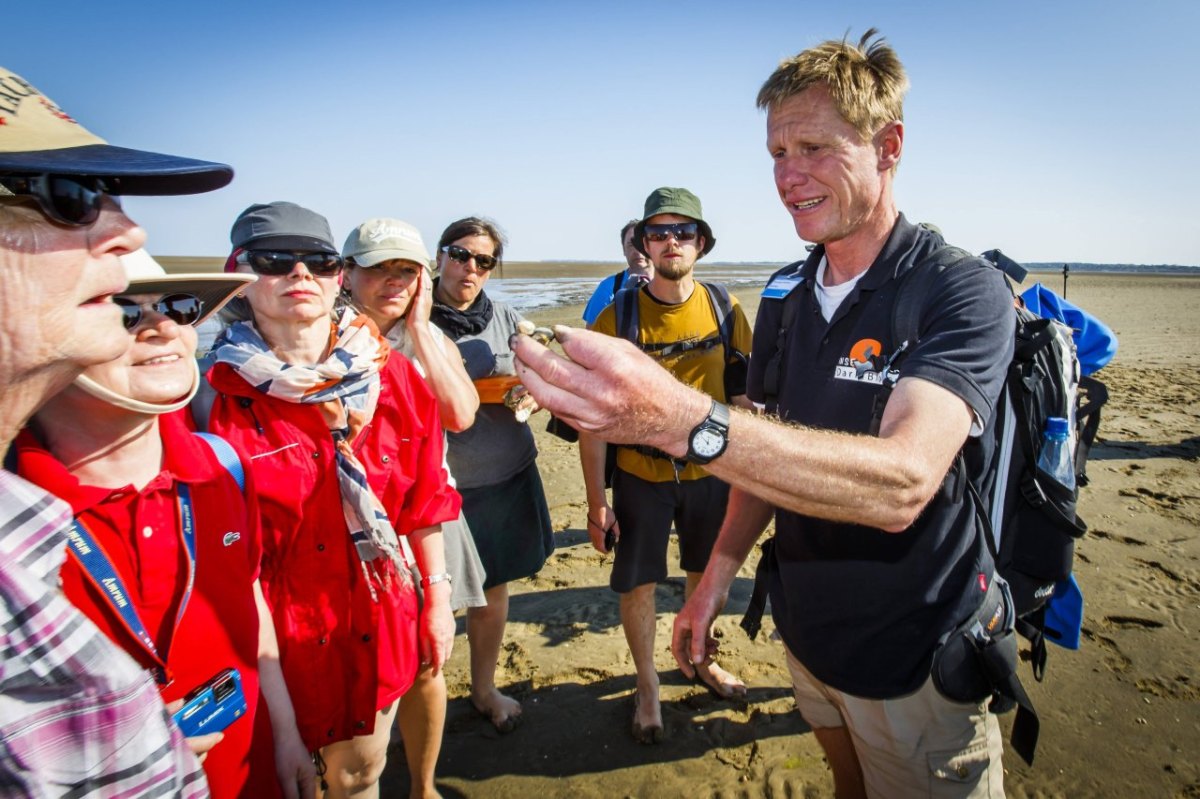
(226, 456)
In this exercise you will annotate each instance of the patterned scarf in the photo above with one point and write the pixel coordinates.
(458, 323)
(345, 389)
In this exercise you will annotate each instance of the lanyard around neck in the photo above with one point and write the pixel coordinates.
(99, 569)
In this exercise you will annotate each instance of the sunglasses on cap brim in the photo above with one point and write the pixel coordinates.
(682, 231)
(182, 309)
(69, 200)
(275, 263)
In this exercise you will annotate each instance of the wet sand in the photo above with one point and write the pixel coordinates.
(1120, 717)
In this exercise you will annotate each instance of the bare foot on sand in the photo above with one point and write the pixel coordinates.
(502, 711)
(719, 682)
(646, 726)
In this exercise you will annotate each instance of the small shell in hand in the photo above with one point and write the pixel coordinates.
(542, 335)
(512, 400)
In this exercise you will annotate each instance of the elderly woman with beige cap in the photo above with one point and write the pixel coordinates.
(163, 522)
(388, 279)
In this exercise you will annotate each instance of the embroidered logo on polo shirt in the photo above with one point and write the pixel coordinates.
(231, 537)
(865, 363)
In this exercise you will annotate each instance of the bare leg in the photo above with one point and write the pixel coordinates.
(353, 768)
(422, 718)
(638, 619)
(485, 633)
(719, 681)
(843, 762)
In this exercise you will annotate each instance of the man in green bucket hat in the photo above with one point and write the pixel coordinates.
(699, 333)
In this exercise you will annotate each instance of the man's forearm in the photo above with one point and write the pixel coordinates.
(746, 516)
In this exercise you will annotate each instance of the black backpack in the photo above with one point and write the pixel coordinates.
(1031, 518)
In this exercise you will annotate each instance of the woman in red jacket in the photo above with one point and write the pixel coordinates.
(346, 450)
(165, 552)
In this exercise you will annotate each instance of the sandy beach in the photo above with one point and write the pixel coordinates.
(1120, 717)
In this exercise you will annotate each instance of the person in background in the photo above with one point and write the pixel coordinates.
(679, 325)
(170, 524)
(388, 280)
(877, 556)
(346, 449)
(80, 716)
(639, 271)
(494, 460)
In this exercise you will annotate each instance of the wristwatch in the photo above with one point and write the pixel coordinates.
(431, 579)
(709, 439)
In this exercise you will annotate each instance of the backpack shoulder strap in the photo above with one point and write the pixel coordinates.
(627, 313)
(915, 285)
(618, 281)
(722, 307)
(226, 456)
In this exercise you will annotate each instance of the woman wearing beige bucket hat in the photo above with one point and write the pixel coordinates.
(155, 508)
(388, 279)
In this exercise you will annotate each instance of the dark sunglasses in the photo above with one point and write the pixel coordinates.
(461, 254)
(182, 309)
(71, 200)
(682, 231)
(280, 262)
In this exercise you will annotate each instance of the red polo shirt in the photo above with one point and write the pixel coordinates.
(140, 534)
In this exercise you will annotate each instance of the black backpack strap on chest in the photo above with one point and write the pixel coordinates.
(773, 372)
(916, 284)
(626, 302)
(618, 281)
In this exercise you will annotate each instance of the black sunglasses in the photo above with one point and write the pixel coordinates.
(281, 262)
(71, 200)
(182, 309)
(461, 254)
(682, 231)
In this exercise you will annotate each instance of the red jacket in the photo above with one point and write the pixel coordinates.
(344, 655)
(139, 532)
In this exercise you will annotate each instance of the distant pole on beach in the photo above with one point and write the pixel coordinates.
(1066, 269)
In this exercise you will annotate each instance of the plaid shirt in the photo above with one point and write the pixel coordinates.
(77, 716)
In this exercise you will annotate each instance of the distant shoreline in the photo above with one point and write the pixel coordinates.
(599, 269)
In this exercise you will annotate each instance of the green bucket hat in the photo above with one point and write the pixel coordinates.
(669, 200)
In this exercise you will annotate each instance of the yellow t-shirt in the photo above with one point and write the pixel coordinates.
(692, 320)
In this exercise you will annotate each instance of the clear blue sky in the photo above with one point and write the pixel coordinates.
(1054, 130)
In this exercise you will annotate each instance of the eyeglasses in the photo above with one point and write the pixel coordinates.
(182, 309)
(280, 262)
(461, 254)
(682, 231)
(71, 200)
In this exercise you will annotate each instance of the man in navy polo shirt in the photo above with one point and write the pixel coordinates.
(877, 555)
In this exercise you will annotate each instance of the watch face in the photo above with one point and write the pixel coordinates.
(708, 443)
